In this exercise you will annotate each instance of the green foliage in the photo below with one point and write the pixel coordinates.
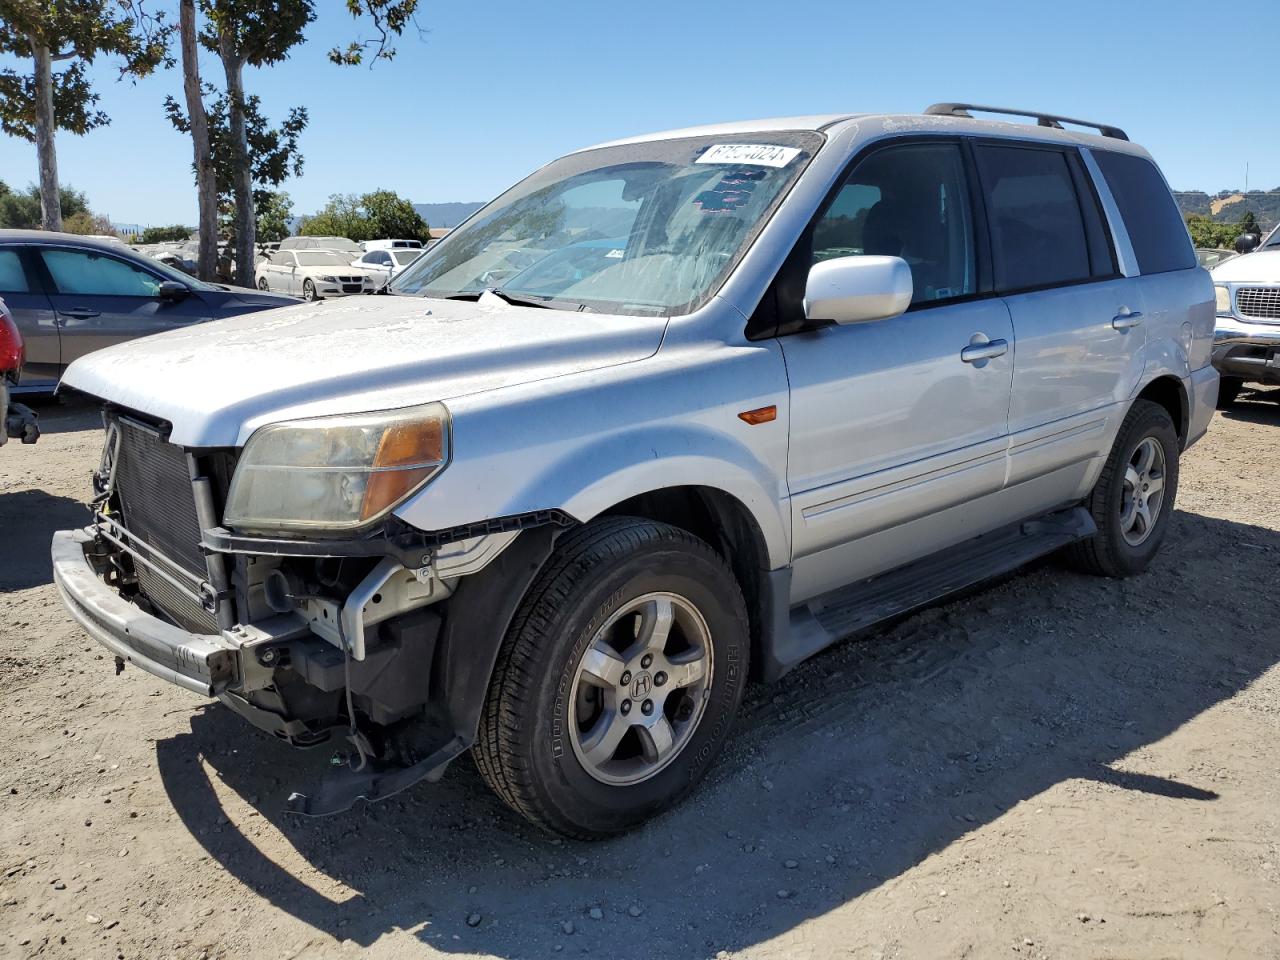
(1210, 234)
(256, 32)
(273, 151)
(20, 209)
(274, 210)
(389, 19)
(75, 32)
(84, 223)
(171, 234)
(378, 215)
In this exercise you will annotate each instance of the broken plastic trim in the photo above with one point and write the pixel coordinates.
(394, 538)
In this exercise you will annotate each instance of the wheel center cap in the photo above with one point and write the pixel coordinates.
(641, 686)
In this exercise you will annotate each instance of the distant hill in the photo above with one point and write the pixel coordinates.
(446, 214)
(1228, 206)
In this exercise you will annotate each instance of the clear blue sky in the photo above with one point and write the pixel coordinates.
(495, 89)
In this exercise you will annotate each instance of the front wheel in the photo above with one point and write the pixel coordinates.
(309, 291)
(1132, 501)
(618, 681)
(262, 284)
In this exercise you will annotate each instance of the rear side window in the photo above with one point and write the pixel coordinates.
(12, 277)
(1156, 230)
(1038, 236)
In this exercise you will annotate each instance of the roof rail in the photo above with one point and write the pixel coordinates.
(1043, 119)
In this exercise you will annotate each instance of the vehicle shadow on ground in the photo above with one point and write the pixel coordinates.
(852, 770)
(29, 541)
(1256, 405)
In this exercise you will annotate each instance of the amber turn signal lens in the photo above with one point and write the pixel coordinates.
(411, 444)
(759, 415)
(389, 487)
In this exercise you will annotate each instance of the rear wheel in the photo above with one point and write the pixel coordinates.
(618, 680)
(1228, 390)
(1132, 501)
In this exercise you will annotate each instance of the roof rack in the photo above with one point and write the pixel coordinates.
(1043, 119)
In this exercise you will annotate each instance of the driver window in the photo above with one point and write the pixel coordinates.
(912, 202)
(80, 272)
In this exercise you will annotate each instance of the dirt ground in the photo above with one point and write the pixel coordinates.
(1056, 767)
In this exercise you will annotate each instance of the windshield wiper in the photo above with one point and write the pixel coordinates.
(548, 304)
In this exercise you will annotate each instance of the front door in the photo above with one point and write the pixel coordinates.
(101, 300)
(896, 423)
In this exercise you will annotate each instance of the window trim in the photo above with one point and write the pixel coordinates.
(51, 285)
(1067, 153)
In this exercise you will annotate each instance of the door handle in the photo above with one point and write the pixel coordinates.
(1125, 321)
(80, 313)
(984, 351)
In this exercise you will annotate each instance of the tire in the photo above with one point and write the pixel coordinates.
(262, 284)
(540, 746)
(309, 291)
(1228, 390)
(1112, 552)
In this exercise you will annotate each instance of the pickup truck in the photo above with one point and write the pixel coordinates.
(778, 382)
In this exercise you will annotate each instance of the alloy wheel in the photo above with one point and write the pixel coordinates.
(1143, 492)
(640, 689)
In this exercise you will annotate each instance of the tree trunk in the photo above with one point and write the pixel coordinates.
(206, 179)
(50, 200)
(241, 174)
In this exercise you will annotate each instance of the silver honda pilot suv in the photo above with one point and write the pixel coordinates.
(672, 413)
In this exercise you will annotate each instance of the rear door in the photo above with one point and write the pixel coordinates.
(101, 299)
(24, 295)
(895, 423)
(1079, 323)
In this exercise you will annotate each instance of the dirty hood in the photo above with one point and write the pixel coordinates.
(215, 383)
(1260, 267)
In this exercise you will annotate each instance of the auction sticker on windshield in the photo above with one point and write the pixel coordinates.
(757, 154)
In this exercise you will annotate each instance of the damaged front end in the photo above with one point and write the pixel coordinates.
(381, 641)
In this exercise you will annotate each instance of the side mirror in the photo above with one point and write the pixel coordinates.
(857, 289)
(172, 290)
(1247, 242)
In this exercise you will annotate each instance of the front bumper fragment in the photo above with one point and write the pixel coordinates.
(1250, 351)
(202, 663)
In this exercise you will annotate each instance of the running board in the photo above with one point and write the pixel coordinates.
(820, 622)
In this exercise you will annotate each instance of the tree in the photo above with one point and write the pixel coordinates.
(378, 215)
(172, 234)
(22, 209)
(84, 223)
(35, 104)
(389, 18)
(273, 151)
(197, 120)
(275, 210)
(258, 33)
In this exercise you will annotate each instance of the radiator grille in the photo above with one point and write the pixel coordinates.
(1260, 302)
(159, 508)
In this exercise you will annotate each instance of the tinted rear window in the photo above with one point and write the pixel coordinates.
(1156, 230)
(1037, 230)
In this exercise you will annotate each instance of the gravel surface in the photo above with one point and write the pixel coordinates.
(1057, 766)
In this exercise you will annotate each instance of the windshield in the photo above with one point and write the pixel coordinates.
(403, 257)
(1273, 239)
(322, 258)
(171, 273)
(646, 228)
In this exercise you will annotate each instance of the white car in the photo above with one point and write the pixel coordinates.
(391, 245)
(388, 263)
(1246, 345)
(315, 274)
(321, 243)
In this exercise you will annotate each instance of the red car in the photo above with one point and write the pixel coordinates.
(19, 421)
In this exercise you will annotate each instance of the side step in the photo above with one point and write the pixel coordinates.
(820, 622)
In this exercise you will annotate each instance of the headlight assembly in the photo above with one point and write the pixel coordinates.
(336, 473)
(1222, 298)
(328, 279)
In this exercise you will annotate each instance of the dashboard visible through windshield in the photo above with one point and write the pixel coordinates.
(650, 228)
